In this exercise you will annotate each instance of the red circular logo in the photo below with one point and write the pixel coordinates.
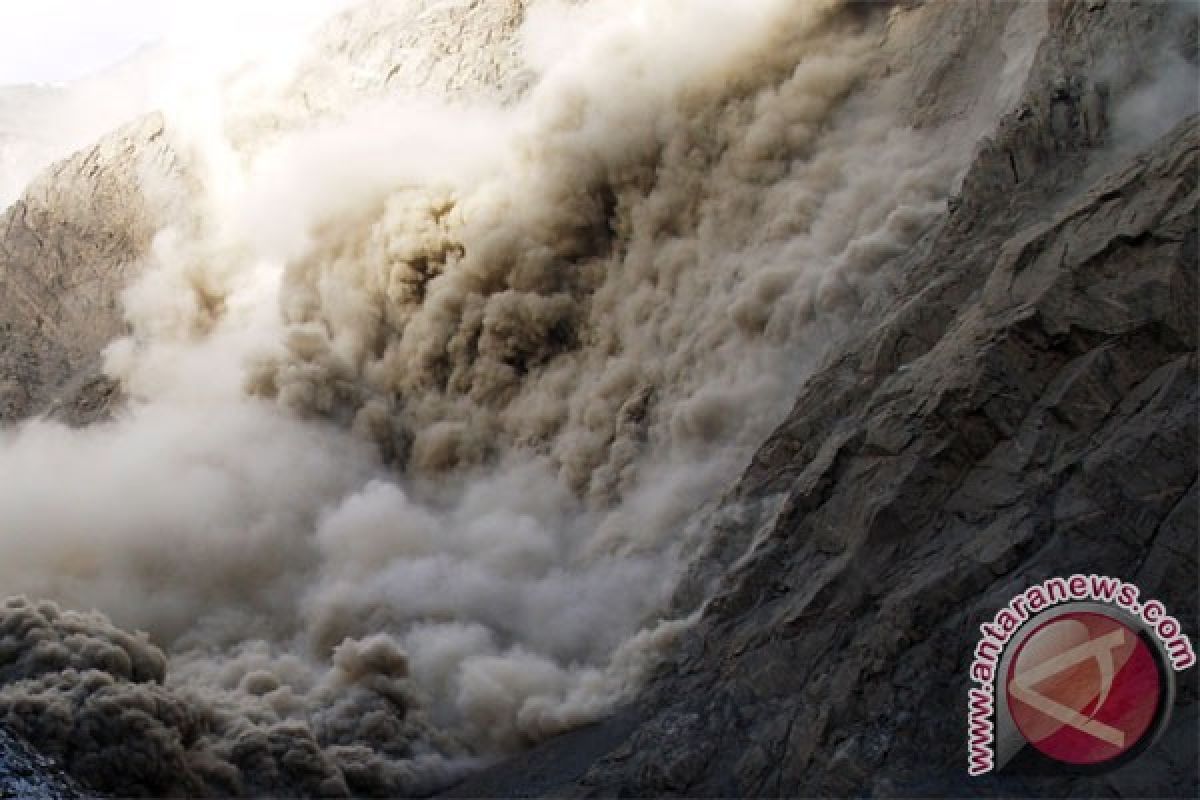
(1084, 688)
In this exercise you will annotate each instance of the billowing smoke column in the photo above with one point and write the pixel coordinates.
(429, 398)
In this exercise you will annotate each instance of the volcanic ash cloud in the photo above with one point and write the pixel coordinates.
(430, 397)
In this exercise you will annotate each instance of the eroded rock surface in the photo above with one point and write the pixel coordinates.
(67, 249)
(1026, 407)
(989, 435)
(24, 773)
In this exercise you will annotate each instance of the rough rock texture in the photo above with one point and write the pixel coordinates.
(74, 238)
(66, 250)
(446, 49)
(25, 773)
(989, 435)
(42, 124)
(379, 49)
(1026, 407)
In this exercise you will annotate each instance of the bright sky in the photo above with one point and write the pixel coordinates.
(54, 41)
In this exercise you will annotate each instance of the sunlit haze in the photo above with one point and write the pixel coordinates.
(57, 41)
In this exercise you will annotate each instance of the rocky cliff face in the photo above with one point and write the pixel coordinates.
(990, 434)
(26, 773)
(1025, 407)
(1015, 398)
(41, 124)
(68, 248)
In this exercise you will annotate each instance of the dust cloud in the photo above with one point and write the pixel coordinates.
(429, 397)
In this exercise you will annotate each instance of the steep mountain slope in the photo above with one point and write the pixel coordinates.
(26, 773)
(69, 246)
(1049, 428)
(80, 232)
(562, 280)
(43, 124)
(1026, 408)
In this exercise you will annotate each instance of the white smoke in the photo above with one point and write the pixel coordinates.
(429, 394)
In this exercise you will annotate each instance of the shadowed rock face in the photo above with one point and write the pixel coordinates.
(1025, 407)
(1030, 417)
(25, 773)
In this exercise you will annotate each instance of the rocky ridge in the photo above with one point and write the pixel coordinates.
(68, 247)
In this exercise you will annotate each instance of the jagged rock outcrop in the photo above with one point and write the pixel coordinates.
(25, 773)
(67, 249)
(1026, 407)
(1047, 427)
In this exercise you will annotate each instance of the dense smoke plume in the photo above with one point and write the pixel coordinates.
(429, 394)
